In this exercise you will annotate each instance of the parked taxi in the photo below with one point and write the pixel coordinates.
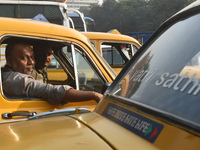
(152, 104)
(77, 64)
(116, 48)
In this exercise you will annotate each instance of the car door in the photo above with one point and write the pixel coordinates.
(78, 67)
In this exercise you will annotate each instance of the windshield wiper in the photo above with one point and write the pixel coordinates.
(67, 111)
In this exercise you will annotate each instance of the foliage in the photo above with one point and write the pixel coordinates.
(133, 15)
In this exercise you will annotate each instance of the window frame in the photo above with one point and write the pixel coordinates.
(59, 56)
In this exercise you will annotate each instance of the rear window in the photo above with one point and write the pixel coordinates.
(51, 13)
(167, 75)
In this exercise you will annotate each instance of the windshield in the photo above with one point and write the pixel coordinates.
(167, 75)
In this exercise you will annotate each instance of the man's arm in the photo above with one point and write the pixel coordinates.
(73, 95)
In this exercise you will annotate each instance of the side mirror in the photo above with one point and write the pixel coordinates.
(105, 86)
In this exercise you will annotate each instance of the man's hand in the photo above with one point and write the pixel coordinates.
(97, 96)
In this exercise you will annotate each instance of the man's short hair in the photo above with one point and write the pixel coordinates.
(10, 47)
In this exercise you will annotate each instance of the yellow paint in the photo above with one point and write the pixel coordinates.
(36, 29)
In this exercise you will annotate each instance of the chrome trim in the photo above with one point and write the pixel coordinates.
(81, 16)
(75, 66)
(12, 121)
(67, 111)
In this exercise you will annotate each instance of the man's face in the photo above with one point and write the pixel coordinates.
(43, 57)
(22, 59)
(48, 59)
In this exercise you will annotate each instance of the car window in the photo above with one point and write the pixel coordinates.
(56, 74)
(3, 58)
(61, 70)
(170, 67)
(111, 55)
(51, 13)
(117, 53)
(88, 79)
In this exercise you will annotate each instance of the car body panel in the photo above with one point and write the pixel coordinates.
(45, 134)
(99, 37)
(171, 136)
(71, 132)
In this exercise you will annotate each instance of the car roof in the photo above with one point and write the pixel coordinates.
(18, 26)
(109, 36)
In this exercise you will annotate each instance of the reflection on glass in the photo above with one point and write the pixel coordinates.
(167, 75)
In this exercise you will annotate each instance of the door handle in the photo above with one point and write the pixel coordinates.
(11, 115)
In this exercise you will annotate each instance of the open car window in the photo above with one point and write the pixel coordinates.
(62, 68)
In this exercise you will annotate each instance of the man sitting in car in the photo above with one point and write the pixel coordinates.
(18, 82)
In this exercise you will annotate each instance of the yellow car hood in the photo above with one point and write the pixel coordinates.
(60, 132)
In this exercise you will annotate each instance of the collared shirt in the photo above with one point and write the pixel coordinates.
(40, 75)
(19, 85)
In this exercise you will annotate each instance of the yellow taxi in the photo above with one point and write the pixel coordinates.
(116, 48)
(152, 104)
(77, 64)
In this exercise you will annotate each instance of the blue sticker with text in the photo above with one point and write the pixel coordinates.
(138, 124)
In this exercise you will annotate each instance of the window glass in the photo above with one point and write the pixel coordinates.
(54, 64)
(88, 79)
(111, 55)
(3, 58)
(7, 10)
(117, 53)
(56, 73)
(170, 67)
(51, 13)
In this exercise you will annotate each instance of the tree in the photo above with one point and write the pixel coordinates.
(133, 15)
(162, 10)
